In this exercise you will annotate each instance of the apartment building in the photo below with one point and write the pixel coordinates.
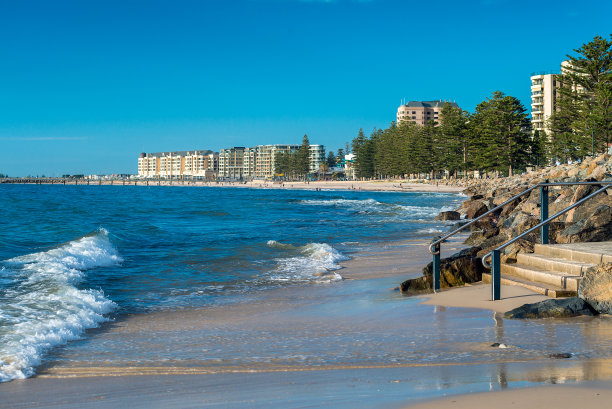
(266, 158)
(237, 163)
(421, 112)
(543, 96)
(317, 155)
(202, 164)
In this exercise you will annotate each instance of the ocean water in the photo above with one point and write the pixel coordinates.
(73, 257)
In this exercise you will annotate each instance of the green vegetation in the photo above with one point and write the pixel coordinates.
(331, 159)
(582, 123)
(294, 165)
(496, 138)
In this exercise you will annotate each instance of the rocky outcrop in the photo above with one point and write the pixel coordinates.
(596, 288)
(592, 221)
(474, 208)
(450, 215)
(553, 308)
(457, 270)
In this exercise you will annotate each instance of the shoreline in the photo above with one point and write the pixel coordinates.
(363, 311)
(360, 313)
(366, 186)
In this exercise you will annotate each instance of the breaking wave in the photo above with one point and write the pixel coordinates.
(314, 262)
(41, 306)
(374, 206)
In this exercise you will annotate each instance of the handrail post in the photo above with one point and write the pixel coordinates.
(495, 275)
(436, 268)
(544, 213)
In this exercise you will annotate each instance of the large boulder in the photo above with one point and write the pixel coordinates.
(597, 227)
(457, 270)
(474, 208)
(450, 215)
(480, 236)
(520, 246)
(553, 308)
(596, 288)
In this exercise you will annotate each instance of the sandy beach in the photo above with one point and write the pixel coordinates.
(366, 186)
(355, 343)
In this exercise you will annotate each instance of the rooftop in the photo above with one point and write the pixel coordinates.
(177, 153)
(429, 104)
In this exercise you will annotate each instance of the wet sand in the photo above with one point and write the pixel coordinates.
(588, 394)
(348, 344)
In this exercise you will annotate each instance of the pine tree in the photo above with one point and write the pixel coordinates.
(501, 126)
(331, 159)
(303, 158)
(455, 138)
(590, 76)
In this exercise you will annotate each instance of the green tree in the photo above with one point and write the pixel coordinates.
(340, 156)
(589, 86)
(501, 128)
(331, 159)
(455, 138)
(303, 157)
(538, 148)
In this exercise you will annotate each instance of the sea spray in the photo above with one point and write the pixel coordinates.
(42, 307)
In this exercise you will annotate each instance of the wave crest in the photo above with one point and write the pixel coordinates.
(314, 262)
(42, 307)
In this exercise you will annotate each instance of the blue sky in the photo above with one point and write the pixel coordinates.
(85, 86)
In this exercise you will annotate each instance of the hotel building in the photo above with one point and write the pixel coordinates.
(202, 164)
(421, 112)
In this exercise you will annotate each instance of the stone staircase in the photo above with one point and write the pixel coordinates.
(554, 270)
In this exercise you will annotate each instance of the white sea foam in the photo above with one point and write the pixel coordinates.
(314, 262)
(374, 206)
(43, 308)
(430, 230)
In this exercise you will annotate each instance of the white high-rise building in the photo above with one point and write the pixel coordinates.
(543, 96)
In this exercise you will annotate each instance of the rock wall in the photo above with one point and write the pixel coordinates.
(591, 221)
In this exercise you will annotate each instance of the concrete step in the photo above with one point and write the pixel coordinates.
(550, 263)
(561, 280)
(540, 288)
(593, 253)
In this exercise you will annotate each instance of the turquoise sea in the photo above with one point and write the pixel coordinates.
(73, 257)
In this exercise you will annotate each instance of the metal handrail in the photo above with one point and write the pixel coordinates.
(513, 198)
(562, 212)
(434, 247)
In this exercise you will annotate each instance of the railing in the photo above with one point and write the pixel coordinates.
(434, 247)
